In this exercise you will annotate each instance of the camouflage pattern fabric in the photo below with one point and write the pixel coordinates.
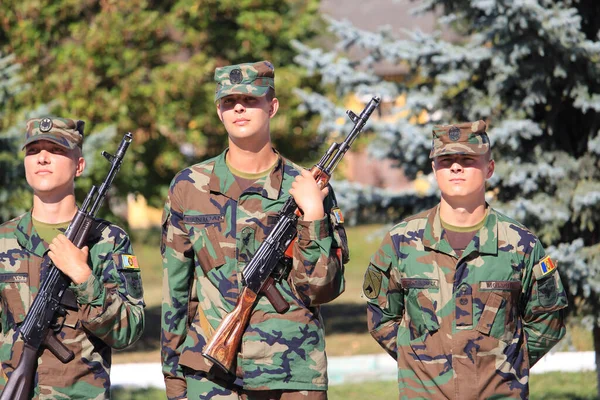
(211, 230)
(110, 309)
(65, 132)
(204, 388)
(250, 78)
(465, 138)
(468, 328)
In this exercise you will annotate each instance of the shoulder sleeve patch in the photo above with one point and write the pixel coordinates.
(546, 266)
(372, 282)
(127, 262)
(337, 214)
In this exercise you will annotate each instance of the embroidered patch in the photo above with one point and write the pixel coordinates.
(454, 133)
(547, 266)
(499, 285)
(203, 219)
(419, 283)
(372, 283)
(13, 278)
(547, 292)
(129, 261)
(133, 284)
(337, 213)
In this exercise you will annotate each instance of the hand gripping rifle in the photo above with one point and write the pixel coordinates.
(39, 327)
(223, 346)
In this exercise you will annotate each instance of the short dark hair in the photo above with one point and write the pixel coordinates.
(270, 95)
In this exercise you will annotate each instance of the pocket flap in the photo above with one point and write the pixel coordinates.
(492, 305)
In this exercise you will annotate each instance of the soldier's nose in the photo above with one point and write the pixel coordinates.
(43, 157)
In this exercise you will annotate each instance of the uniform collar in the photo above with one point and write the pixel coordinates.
(222, 180)
(27, 236)
(484, 242)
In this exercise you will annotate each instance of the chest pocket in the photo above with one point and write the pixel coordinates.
(16, 298)
(205, 240)
(498, 301)
(419, 307)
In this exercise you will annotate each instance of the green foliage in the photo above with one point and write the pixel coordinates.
(531, 70)
(147, 67)
(13, 191)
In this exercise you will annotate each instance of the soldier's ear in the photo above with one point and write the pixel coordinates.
(491, 168)
(274, 106)
(80, 166)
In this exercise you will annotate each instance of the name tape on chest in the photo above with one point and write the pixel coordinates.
(419, 283)
(204, 219)
(500, 285)
(13, 278)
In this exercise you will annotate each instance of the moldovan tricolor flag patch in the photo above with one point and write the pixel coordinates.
(337, 213)
(547, 265)
(129, 261)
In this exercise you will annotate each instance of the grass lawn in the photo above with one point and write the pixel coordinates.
(551, 386)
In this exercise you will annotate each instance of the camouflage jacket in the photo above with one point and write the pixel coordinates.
(211, 230)
(108, 312)
(468, 327)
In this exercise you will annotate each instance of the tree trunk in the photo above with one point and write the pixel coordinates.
(596, 333)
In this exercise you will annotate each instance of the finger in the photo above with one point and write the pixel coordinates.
(325, 191)
(86, 251)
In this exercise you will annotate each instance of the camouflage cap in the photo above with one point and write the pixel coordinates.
(65, 132)
(250, 78)
(465, 138)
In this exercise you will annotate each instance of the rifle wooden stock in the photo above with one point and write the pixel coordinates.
(20, 383)
(223, 347)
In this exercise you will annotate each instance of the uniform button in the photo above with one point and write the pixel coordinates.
(463, 289)
(463, 302)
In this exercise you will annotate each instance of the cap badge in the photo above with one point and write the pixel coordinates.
(454, 133)
(45, 125)
(235, 76)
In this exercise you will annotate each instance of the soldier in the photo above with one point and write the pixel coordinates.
(216, 215)
(104, 305)
(463, 297)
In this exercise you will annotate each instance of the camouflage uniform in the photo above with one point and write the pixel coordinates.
(465, 327)
(105, 311)
(211, 230)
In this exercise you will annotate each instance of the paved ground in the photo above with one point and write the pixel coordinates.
(352, 369)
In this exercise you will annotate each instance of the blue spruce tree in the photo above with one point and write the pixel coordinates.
(531, 69)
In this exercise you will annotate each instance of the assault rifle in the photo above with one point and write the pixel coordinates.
(223, 346)
(39, 327)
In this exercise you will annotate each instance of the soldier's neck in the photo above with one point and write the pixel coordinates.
(54, 210)
(251, 159)
(469, 214)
